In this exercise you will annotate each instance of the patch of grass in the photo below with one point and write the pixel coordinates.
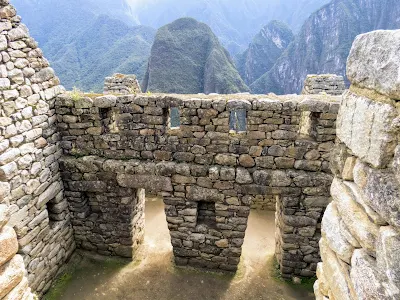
(58, 287)
(306, 283)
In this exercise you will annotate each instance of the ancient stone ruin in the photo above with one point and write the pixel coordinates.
(121, 84)
(330, 84)
(361, 227)
(74, 172)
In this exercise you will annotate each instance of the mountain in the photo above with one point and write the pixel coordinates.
(234, 22)
(85, 41)
(324, 42)
(266, 47)
(187, 58)
(106, 47)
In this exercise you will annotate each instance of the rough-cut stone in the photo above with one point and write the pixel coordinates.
(11, 275)
(151, 183)
(368, 281)
(336, 275)
(381, 192)
(331, 231)
(388, 254)
(354, 216)
(8, 244)
(373, 62)
(105, 101)
(368, 129)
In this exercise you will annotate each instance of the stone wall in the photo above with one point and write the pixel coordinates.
(330, 84)
(13, 281)
(30, 182)
(222, 153)
(121, 84)
(361, 227)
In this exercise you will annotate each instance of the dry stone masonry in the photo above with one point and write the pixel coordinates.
(361, 227)
(327, 83)
(13, 281)
(122, 84)
(74, 171)
(117, 148)
(30, 182)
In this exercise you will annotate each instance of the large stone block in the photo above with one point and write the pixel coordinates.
(374, 62)
(388, 254)
(337, 276)
(8, 244)
(368, 129)
(11, 275)
(196, 193)
(150, 183)
(332, 232)
(354, 216)
(369, 283)
(381, 192)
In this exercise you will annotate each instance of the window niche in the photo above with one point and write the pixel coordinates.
(174, 120)
(206, 214)
(238, 121)
(308, 124)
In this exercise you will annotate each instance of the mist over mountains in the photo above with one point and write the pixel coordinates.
(274, 43)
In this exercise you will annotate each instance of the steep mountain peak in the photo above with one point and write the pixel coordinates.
(187, 58)
(266, 47)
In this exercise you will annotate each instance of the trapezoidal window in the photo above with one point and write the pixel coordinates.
(174, 121)
(206, 214)
(308, 124)
(237, 121)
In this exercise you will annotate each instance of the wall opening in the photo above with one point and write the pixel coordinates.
(157, 239)
(308, 124)
(174, 121)
(238, 121)
(206, 214)
(105, 117)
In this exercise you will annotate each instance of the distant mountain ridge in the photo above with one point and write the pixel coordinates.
(187, 58)
(324, 42)
(266, 47)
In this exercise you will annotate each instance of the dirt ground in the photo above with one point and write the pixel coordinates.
(152, 275)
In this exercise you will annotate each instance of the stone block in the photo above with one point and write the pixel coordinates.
(11, 275)
(368, 129)
(388, 254)
(107, 101)
(196, 193)
(374, 63)
(368, 281)
(380, 190)
(151, 183)
(331, 231)
(8, 244)
(354, 216)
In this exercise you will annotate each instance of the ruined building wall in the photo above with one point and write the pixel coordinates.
(330, 84)
(30, 182)
(227, 151)
(122, 84)
(361, 227)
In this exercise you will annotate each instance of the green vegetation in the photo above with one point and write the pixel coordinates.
(324, 42)
(306, 283)
(187, 58)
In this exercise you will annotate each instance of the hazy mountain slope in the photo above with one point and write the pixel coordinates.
(324, 42)
(105, 47)
(266, 47)
(187, 58)
(234, 22)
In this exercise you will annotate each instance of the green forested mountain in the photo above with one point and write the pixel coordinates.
(266, 47)
(107, 46)
(324, 42)
(187, 58)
